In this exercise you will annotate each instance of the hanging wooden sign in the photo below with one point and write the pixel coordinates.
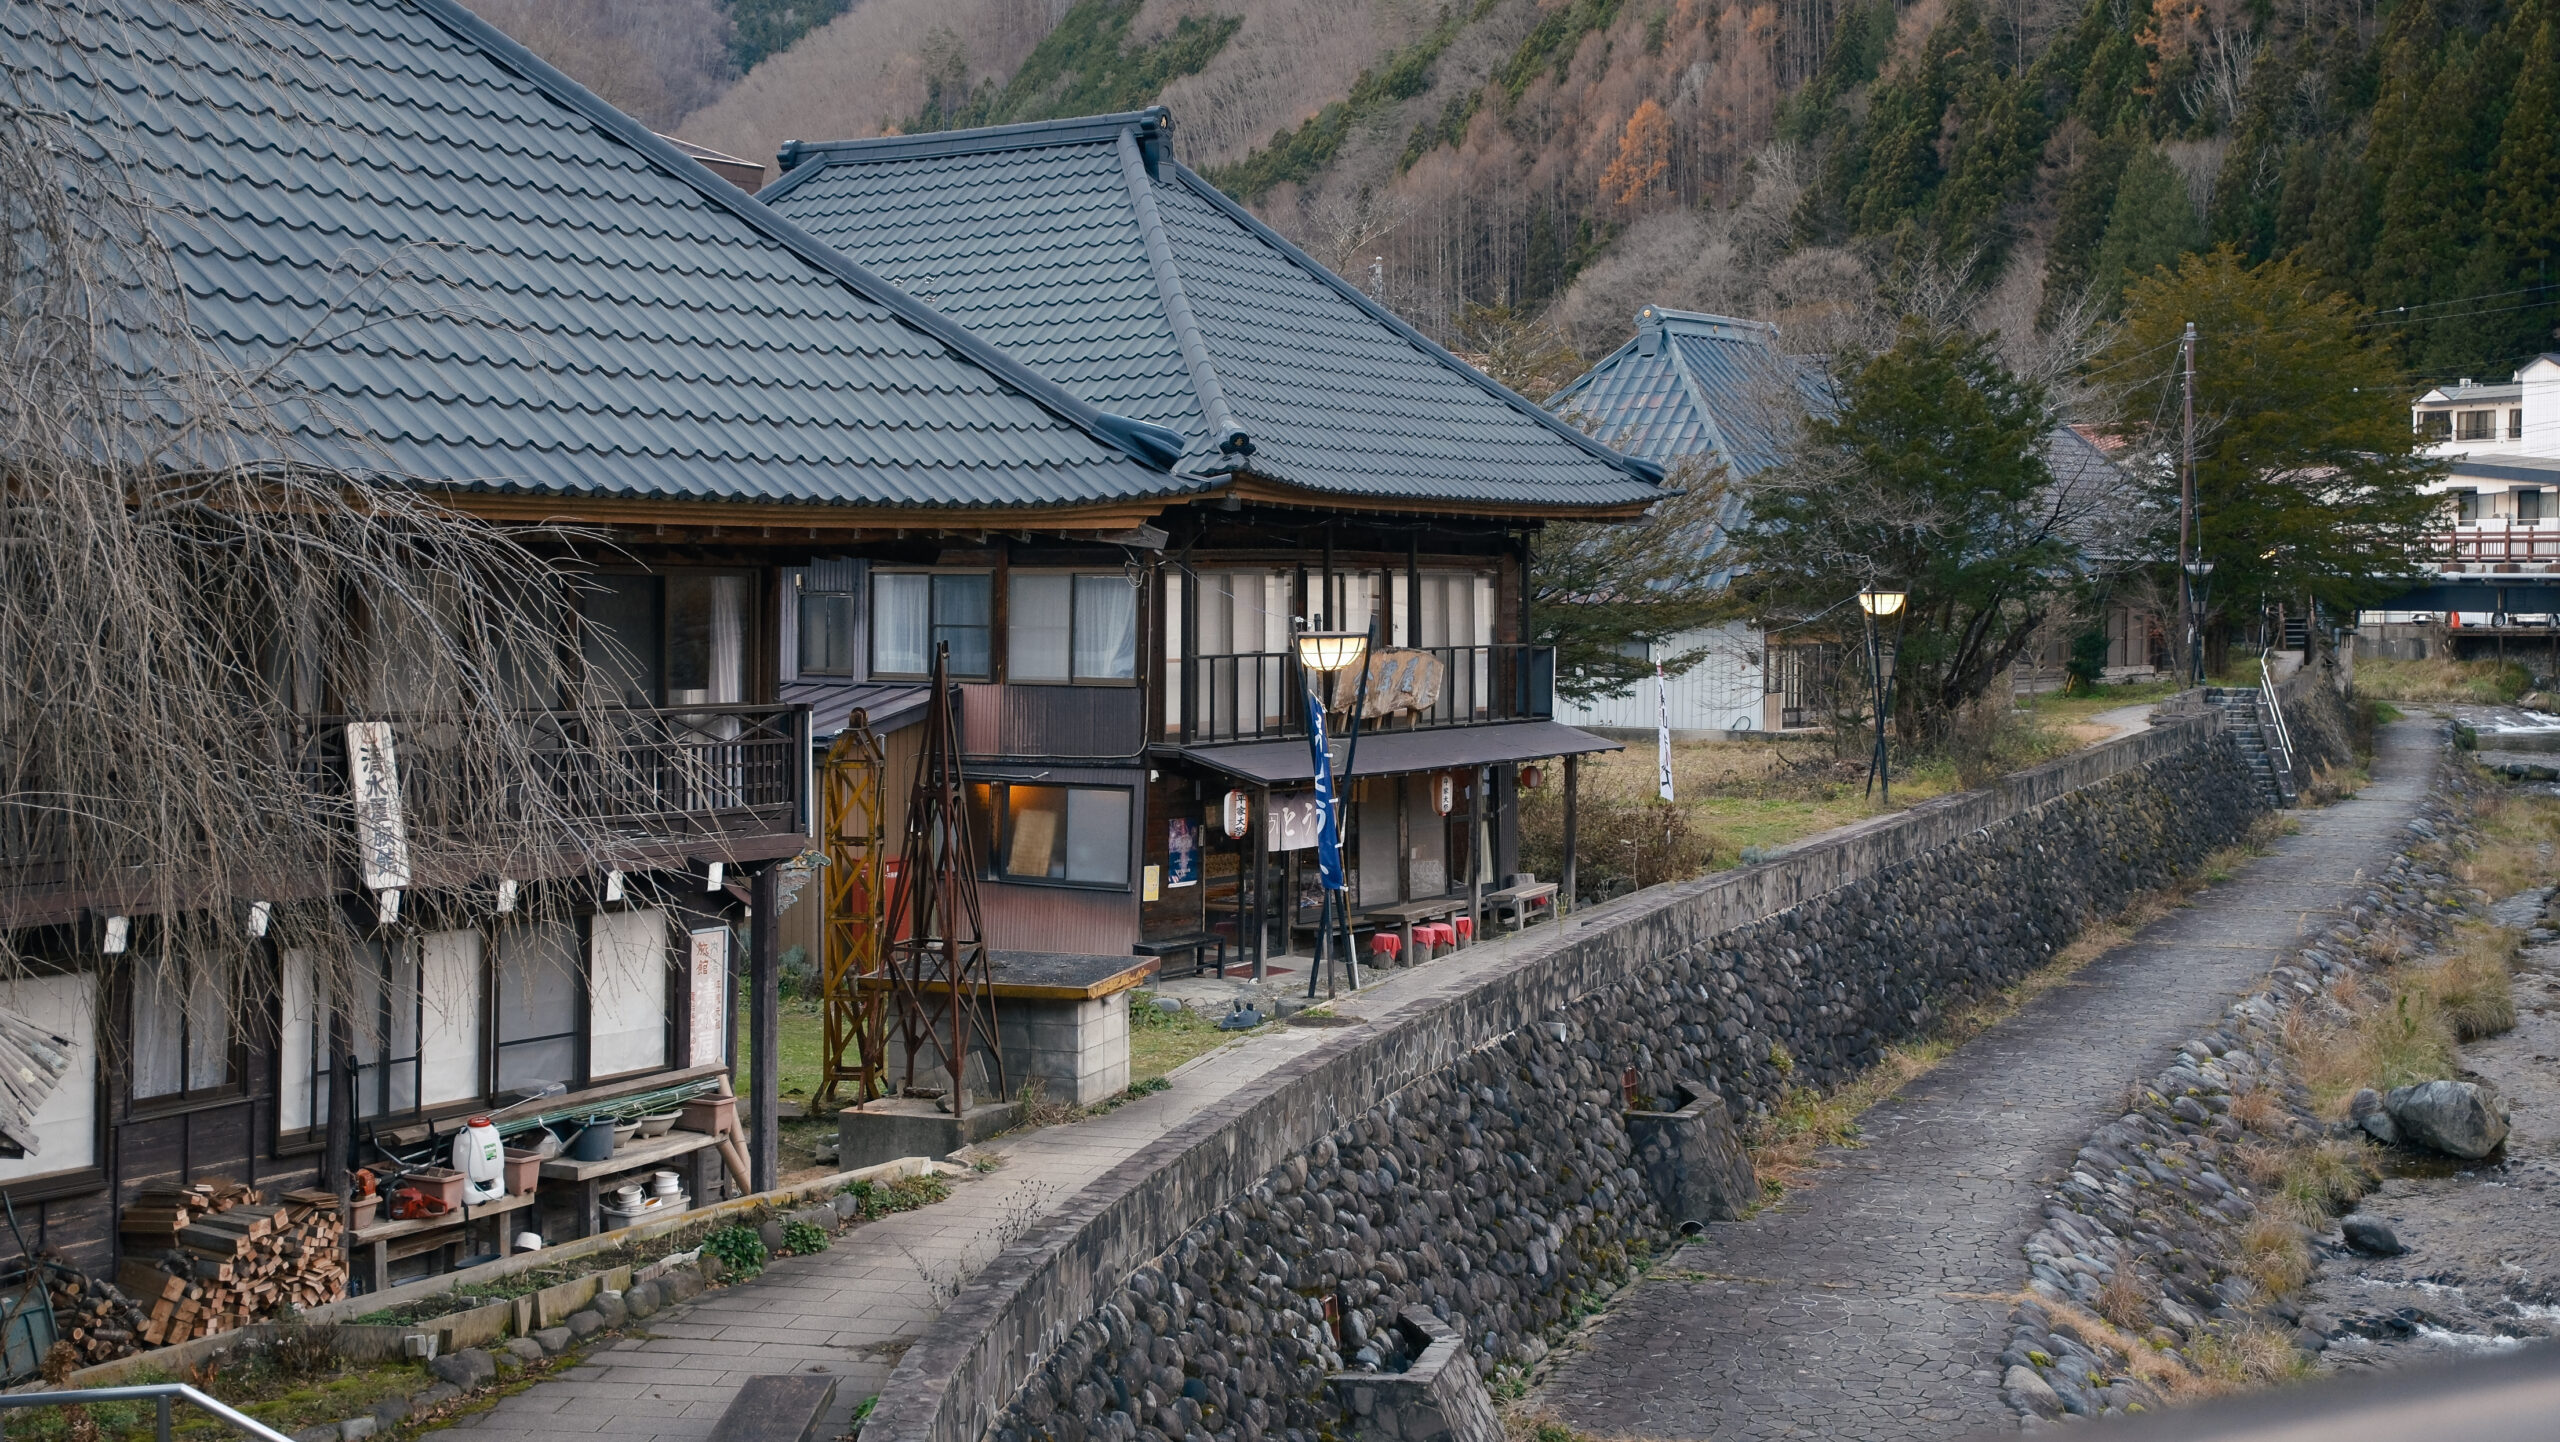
(382, 834)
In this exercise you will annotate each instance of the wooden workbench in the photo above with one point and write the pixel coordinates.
(375, 1248)
(640, 1154)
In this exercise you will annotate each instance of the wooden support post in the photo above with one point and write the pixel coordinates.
(764, 1133)
(1572, 818)
(1479, 840)
(1260, 841)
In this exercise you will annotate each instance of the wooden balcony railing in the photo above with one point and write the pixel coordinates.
(663, 780)
(2481, 544)
(1262, 695)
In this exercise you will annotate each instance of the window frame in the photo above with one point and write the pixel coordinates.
(2475, 425)
(231, 1088)
(1013, 615)
(854, 640)
(2435, 425)
(89, 1176)
(662, 655)
(931, 624)
(998, 812)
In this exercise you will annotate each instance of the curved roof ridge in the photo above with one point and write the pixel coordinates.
(1149, 444)
(1224, 432)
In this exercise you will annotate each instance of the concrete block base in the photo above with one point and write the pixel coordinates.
(1437, 1399)
(1693, 1161)
(895, 1127)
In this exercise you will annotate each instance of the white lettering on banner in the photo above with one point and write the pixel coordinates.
(382, 834)
(1292, 822)
(709, 963)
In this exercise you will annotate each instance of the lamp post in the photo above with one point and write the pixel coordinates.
(1879, 603)
(2199, 594)
(1321, 654)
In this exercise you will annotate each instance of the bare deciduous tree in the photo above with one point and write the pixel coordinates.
(197, 563)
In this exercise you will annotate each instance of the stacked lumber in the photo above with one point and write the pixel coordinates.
(230, 1258)
(91, 1315)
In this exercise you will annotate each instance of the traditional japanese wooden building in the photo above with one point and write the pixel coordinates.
(1355, 477)
(477, 278)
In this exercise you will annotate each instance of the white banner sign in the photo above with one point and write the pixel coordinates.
(382, 835)
(708, 961)
(1292, 822)
(1662, 728)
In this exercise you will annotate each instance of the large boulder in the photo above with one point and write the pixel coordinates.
(2458, 1118)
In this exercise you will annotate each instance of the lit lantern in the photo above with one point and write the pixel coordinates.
(1531, 778)
(1444, 793)
(1237, 814)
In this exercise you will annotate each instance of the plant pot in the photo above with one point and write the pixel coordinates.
(524, 1170)
(658, 1124)
(715, 1116)
(595, 1144)
(623, 1132)
(360, 1211)
(440, 1182)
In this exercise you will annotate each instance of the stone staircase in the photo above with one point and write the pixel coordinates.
(2246, 710)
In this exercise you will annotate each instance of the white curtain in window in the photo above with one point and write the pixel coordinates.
(537, 1004)
(298, 1046)
(1037, 628)
(728, 640)
(901, 623)
(1098, 836)
(627, 976)
(1106, 628)
(450, 1030)
(66, 1124)
(159, 1032)
(208, 1028)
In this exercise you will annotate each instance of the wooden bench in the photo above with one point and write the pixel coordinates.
(1525, 895)
(1195, 943)
(698, 1150)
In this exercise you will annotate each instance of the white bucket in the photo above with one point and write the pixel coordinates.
(664, 1184)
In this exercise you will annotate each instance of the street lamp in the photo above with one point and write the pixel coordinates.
(1879, 603)
(1321, 654)
(2199, 590)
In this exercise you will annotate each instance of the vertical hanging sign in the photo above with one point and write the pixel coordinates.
(382, 835)
(707, 967)
(1662, 728)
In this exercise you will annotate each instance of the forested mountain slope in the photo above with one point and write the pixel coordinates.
(1816, 162)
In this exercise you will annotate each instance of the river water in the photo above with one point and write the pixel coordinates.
(2482, 1273)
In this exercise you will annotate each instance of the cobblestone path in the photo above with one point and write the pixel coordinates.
(1868, 1304)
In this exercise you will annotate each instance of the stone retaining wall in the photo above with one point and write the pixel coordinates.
(1470, 1157)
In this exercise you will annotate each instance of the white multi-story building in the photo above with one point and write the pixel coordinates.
(2501, 515)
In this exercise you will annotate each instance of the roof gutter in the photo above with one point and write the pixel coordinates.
(1230, 437)
(1150, 445)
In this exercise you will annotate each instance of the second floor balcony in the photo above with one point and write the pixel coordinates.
(521, 795)
(1262, 696)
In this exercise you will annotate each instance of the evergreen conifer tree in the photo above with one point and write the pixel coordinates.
(2151, 225)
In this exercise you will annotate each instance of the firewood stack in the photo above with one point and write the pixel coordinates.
(90, 1315)
(211, 1256)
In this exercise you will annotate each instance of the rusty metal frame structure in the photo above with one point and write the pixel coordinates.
(937, 948)
(853, 796)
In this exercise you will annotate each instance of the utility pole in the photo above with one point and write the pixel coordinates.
(2190, 525)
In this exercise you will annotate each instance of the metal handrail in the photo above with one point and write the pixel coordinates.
(2267, 683)
(164, 1393)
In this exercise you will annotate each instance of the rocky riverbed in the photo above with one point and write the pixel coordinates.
(2482, 1267)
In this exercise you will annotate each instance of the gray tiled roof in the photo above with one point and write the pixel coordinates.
(1690, 385)
(1084, 249)
(535, 293)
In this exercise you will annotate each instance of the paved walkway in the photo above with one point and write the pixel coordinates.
(1869, 1305)
(852, 1309)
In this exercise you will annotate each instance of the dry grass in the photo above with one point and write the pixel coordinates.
(2472, 984)
(2275, 1252)
(2409, 1031)
(2260, 1111)
(2519, 835)
(2383, 1046)
(2438, 679)
(2123, 1301)
(2241, 1360)
(1782, 1145)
